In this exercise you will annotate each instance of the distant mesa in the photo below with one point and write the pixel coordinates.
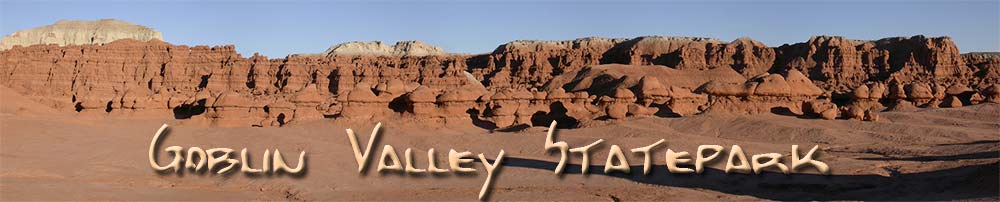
(80, 32)
(377, 48)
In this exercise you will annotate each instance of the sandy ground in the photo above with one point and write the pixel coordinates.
(931, 154)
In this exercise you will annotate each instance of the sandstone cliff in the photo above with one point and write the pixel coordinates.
(377, 48)
(74, 32)
(520, 83)
(838, 64)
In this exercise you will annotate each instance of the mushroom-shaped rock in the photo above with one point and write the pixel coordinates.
(958, 89)
(650, 87)
(423, 94)
(861, 92)
(618, 111)
(939, 91)
(455, 102)
(728, 89)
(901, 105)
(772, 85)
(897, 92)
(992, 93)
(871, 115)
(855, 112)
(976, 98)
(684, 102)
(682, 93)
(817, 106)
(876, 91)
(641, 111)
(951, 101)
(800, 85)
(422, 100)
(829, 114)
(503, 104)
(918, 91)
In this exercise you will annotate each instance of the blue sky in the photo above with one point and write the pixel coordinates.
(278, 28)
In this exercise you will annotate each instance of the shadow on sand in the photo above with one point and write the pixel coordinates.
(966, 182)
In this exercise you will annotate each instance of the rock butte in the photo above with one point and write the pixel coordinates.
(75, 32)
(377, 48)
(520, 83)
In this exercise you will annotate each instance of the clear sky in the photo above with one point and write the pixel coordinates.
(279, 28)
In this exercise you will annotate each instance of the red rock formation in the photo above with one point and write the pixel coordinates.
(986, 67)
(767, 93)
(744, 55)
(526, 64)
(520, 83)
(839, 64)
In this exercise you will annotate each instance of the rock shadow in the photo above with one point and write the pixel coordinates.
(965, 182)
(186, 111)
(557, 112)
(977, 155)
(478, 122)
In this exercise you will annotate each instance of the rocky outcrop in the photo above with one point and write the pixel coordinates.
(76, 32)
(689, 53)
(821, 108)
(839, 64)
(528, 63)
(765, 93)
(377, 48)
(985, 66)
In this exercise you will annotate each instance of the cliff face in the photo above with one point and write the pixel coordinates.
(744, 55)
(986, 66)
(73, 32)
(377, 48)
(840, 64)
(528, 64)
(521, 82)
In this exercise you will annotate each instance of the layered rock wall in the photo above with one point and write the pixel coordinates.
(520, 83)
(74, 32)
